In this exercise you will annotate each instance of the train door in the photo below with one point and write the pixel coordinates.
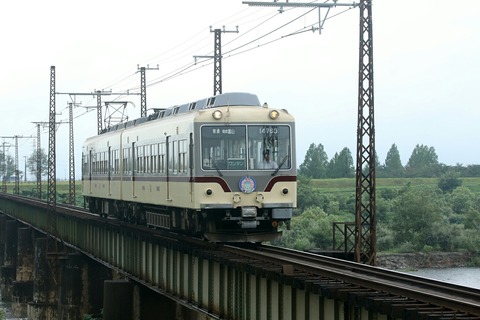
(90, 159)
(168, 164)
(190, 166)
(134, 168)
(109, 171)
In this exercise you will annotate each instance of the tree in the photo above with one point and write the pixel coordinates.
(423, 162)
(416, 212)
(393, 164)
(315, 163)
(341, 165)
(7, 166)
(32, 163)
(312, 229)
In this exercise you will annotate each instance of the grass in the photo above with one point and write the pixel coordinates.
(62, 187)
(348, 184)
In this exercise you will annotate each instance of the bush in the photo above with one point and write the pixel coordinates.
(449, 181)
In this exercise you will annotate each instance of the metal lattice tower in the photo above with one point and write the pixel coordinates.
(99, 112)
(39, 160)
(143, 93)
(217, 58)
(71, 157)
(16, 190)
(217, 69)
(39, 164)
(4, 168)
(52, 171)
(365, 207)
(143, 89)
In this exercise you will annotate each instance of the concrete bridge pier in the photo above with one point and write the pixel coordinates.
(8, 270)
(125, 300)
(3, 221)
(22, 289)
(44, 303)
(93, 277)
(70, 287)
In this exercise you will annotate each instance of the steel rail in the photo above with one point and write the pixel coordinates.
(428, 291)
(333, 276)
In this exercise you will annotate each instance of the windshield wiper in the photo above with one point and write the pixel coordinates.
(280, 165)
(216, 167)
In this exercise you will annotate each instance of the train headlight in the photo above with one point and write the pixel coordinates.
(285, 191)
(209, 192)
(273, 114)
(217, 114)
(259, 197)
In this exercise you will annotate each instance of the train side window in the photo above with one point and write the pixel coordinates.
(154, 158)
(105, 162)
(149, 158)
(182, 156)
(161, 157)
(171, 158)
(126, 163)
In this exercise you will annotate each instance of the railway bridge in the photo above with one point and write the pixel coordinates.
(132, 272)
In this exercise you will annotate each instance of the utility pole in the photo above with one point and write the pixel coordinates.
(365, 206)
(4, 168)
(99, 112)
(16, 189)
(217, 58)
(143, 89)
(39, 156)
(365, 186)
(52, 169)
(71, 157)
(25, 172)
(39, 160)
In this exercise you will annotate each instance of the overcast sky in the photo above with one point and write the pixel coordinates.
(426, 69)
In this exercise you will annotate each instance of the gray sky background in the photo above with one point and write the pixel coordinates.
(427, 74)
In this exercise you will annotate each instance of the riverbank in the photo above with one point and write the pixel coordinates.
(413, 261)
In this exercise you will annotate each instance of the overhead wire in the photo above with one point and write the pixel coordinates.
(190, 67)
(193, 66)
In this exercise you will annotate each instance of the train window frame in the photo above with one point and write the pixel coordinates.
(182, 151)
(222, 156)
(279, 142)
(161, 157)
(280, 149)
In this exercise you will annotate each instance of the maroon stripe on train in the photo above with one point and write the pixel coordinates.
(218, 180)
(274, 180)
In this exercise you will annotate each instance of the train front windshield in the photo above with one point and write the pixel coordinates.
(246, 147)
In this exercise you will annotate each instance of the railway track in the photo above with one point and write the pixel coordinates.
(397, 294)
(373, 285)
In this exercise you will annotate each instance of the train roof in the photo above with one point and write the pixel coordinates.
(224, 99)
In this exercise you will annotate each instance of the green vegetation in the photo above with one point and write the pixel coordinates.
(413, 214)
(28, 189)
